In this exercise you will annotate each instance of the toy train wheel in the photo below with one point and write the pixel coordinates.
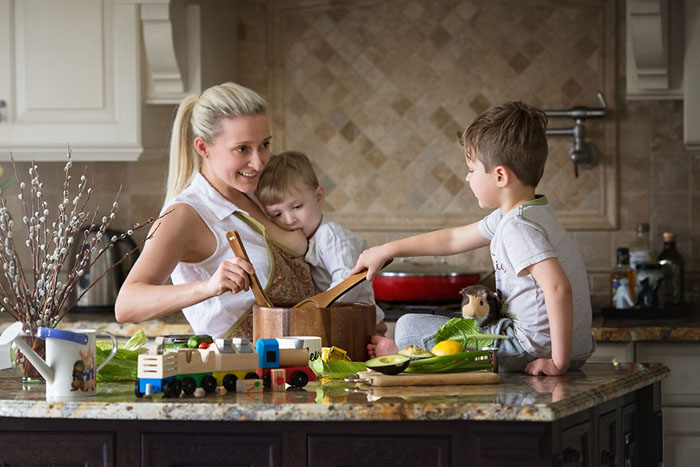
(137, 390)
(230, 382)
(209, 384)
(172, 388)
(176, 385)
(189, 385)
(251, 375)
(299, 379)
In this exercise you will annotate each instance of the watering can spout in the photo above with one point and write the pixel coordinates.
(14, 334)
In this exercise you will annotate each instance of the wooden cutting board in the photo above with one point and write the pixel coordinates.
(374, 378)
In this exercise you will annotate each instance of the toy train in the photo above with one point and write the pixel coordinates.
(183, 370)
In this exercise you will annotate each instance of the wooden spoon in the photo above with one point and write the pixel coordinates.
(325, 299)
(237, 246)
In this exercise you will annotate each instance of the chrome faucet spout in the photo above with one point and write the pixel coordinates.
(582, 154)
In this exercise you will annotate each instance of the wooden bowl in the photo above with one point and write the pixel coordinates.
(348, 326)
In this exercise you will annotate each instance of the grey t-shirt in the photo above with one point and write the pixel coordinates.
(526, 235)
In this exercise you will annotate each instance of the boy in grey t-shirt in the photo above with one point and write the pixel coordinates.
(538, 268)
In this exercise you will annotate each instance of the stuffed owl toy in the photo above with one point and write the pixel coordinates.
(482, 304)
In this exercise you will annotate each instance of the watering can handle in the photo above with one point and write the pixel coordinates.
(112, 353)
(11, 334)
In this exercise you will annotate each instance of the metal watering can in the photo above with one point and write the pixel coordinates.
(70, 368)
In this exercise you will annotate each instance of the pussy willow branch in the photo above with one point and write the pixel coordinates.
(127, 254)
(50, 244)
(81, 265)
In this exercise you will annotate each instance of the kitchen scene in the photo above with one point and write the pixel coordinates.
(376, 93)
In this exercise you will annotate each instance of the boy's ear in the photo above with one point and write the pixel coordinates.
(320, 195)
(201, 147)
(503, 176)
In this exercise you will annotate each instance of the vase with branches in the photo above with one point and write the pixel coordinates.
(40, 294)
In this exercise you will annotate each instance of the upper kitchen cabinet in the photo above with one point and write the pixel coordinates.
(663, 57)
(82, 73)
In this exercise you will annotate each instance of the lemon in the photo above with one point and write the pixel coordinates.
(446, 347)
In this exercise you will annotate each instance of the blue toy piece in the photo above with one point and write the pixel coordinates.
(268, 351)
(156, 386)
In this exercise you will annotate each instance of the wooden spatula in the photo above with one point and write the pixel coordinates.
(237, 246)
(325, 299)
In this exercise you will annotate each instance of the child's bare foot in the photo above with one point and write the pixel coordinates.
(380, 345)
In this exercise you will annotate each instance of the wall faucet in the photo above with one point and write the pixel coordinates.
(582, 153)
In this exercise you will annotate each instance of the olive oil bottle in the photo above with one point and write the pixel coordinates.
(671, 263)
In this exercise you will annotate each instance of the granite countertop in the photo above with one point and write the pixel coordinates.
(685, 329)
(517, 397)
(168, 325)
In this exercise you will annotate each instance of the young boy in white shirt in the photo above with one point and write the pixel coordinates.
(538, 268)
(292, 197)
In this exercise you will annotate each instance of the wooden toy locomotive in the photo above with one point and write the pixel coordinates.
(184, 370)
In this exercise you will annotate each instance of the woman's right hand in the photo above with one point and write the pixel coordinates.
(232, 275)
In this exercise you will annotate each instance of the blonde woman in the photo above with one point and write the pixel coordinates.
(220, 144)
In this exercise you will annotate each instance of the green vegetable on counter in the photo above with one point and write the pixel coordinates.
(124, 365)
(194, 341)
(466, 332)
(462, 361)
(337, 369)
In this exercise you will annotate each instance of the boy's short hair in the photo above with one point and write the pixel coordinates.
(285, 170)
(512, 135)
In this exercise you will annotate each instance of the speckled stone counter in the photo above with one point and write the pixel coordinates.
(169, 325)
(685, 329)
(516, 398)
(523, 420)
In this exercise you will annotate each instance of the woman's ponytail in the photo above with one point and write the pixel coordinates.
(184, 161)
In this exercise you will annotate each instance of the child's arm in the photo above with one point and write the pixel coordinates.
(558, 300)
(438, 243)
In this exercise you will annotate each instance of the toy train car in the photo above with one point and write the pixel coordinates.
(184, 370)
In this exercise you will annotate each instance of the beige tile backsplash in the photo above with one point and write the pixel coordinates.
(375, 92)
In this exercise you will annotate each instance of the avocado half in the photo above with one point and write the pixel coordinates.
(414, 352)
(389, 364)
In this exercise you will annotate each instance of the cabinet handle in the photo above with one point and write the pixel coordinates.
(3, 104)
(607, 457)
(570, 456)
(629, 449)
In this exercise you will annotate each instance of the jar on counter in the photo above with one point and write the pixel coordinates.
(649, 286)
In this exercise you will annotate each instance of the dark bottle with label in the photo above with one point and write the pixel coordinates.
(671, 263)
(622, 281)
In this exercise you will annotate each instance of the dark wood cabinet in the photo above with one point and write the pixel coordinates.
(371, 451)
(78, 448)
(210, 449)
(625, 431)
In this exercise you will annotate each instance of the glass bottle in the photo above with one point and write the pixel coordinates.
(671, 263)
(622, 281)
(640, 248)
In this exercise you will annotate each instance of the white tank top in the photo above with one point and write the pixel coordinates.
(217, 315)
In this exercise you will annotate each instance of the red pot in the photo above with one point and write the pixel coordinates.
(407, 280)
